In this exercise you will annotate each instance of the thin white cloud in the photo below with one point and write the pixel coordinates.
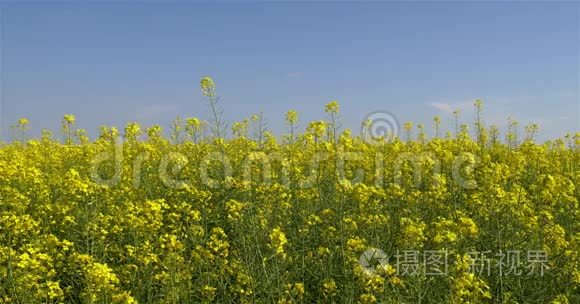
(450, 107)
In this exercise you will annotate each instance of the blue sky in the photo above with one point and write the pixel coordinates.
(112, 63)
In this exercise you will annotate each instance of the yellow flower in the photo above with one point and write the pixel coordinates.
(292, 117)
(332, 107)
(317, 128)
(207, 86)
(54, 290)
(356, 244)
(367, 299)
(208, 292)
(69, 118)
(307, 217)
(278, 241)
(23, 121)
(234, 209)
(329, 288)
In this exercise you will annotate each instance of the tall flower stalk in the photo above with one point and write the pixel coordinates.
(208, 89)
(67, 125)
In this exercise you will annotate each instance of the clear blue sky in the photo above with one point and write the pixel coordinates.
(113, 63)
